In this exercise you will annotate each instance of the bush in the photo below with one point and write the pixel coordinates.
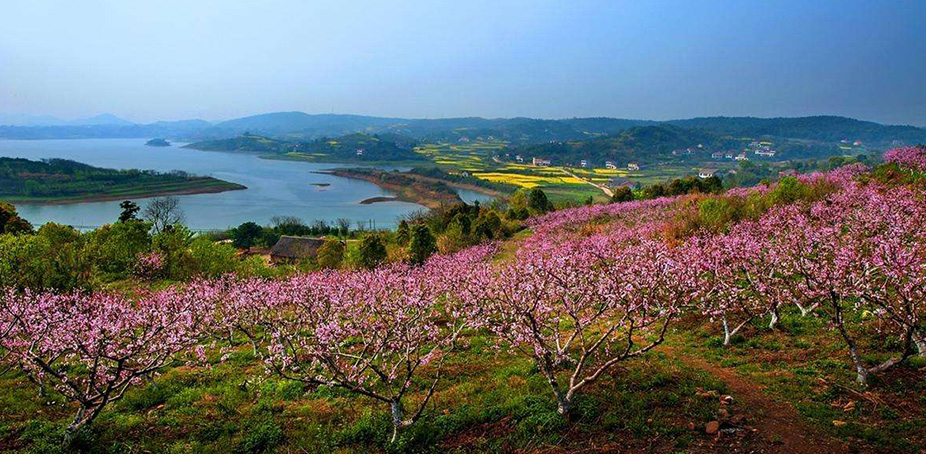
(622, 194)
(422, 244)
(330, 254)
(372, 251)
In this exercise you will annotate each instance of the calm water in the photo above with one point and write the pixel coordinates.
(274, 187)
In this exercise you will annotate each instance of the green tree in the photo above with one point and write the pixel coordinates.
(10, 222)
(69, 267)
(487, 226)
(622, 194)
(330, 253)
(537, 201)
(453, 239)
(212, 259)
(422, 244)
(402, 234)
(173, 242)
(19, 267)
(517, 206)
(113, 248)
(461, 222)
(372, 251)
(245, 236)
(129, 210)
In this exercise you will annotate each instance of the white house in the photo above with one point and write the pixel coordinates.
(610, 165)
(706, 173)
(633, 166)
(542, 162)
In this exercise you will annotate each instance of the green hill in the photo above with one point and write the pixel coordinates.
(62, 180)
(641, 143)
(351, 147)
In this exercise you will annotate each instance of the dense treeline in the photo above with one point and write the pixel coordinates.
(351, 147)
(154, 245)
(822, 128)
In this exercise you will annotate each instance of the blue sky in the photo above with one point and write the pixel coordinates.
(654, 59)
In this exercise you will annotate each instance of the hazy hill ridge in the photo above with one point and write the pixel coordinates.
(289, 126)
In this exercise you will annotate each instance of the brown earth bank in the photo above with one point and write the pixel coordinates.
(407, 187)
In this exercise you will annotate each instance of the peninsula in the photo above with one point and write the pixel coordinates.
(410, 187)
(59, 181)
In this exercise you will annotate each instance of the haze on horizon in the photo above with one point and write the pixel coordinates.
(661, 59)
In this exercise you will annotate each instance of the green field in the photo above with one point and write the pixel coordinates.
(485, 160)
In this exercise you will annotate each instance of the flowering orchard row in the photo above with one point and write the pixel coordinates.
(592, 287)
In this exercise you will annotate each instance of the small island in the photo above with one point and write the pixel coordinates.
(378, 199)
(157, 143)
(57, 181)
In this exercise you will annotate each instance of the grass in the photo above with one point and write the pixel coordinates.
(489, 402)
(803, 362)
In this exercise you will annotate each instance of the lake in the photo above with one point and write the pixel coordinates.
(275, 188)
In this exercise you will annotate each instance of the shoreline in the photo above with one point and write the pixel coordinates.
(114, 197)
(427, 199)
(365, 165)
(468, 187)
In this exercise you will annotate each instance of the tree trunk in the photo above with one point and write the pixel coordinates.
(806, 310)
(860, 369)
(398, 415)
(80, 420)
(774, 321)
(920, 341)
(563, 401)
(728, 333)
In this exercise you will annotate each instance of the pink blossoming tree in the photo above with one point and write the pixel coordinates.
(92, 348)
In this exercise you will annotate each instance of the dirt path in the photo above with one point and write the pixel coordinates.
(779, 424)
(607, 191)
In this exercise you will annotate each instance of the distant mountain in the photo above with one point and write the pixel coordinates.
(101, 120)
(300, 123)
(300, 126)
(188, 124)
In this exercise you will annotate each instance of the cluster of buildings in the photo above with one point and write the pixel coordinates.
(857, 143)
(757, 148)
(582, 164)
